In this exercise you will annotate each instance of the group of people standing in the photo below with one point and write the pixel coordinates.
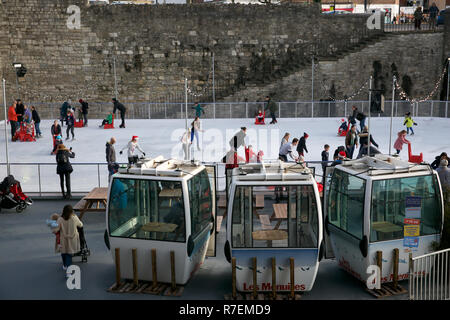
(20, 115)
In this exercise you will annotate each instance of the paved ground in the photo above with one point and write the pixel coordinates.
(29, 268)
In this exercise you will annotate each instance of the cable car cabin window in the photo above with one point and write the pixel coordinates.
(275, 217)
(200, 198)
(346, 203)
(145, 209)
(393, 200)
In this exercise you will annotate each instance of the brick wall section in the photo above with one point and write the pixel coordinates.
(155, 46)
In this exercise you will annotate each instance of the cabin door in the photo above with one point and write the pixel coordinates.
(212, 174)
(326, 190)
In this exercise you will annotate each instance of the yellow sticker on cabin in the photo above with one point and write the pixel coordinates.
(412, 230)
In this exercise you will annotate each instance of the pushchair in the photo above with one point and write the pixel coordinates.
(84, 250)
(11, 195)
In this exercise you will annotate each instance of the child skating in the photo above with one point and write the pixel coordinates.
(409, 122)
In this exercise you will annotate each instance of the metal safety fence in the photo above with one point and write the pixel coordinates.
(41, 179)
(429, 276)
(231, 110)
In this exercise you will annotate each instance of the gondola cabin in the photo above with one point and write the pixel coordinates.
(379, 204)
(274, 211)
(167, 205)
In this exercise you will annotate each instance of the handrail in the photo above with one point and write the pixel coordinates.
(431, 254)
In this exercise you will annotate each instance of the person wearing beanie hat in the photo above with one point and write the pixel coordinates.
(409, 122)
(64, 168)
(341, 156)
(132, 146)
(301, 147)
(444, 175)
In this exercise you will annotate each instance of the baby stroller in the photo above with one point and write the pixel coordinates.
(84, 250)
(11, 195)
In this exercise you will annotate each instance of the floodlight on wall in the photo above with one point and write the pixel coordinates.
(20, 69)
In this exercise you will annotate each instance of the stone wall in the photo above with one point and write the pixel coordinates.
(417, 56)
(156, 47)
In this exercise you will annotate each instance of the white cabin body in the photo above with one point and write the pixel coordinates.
(167, 205)
(274, 211)
(378, 204)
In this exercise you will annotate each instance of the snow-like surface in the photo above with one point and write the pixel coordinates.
(162, 137)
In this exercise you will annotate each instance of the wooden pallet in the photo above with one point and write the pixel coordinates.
(262, 296)
(145, 287)
(386, 290)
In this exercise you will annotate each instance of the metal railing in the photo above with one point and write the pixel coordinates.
(231, 110)
(429, 276)
(410, 27)
(41, 178)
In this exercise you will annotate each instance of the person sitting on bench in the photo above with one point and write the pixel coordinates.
(108, 120)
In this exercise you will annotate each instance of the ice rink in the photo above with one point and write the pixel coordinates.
(162, 137)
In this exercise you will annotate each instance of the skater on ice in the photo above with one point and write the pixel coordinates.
(132, 146)
(272, 107)
(84, 111)
(351, 141)
(401, 140)
(37, 121)
(325, 157)
(301, 147)
(70, 121)
(119, 106)
(198, 109)
(287, 149)
(113, 166)
(185, 140)
(12, 118)
(364, 143)
(195, 129)
(409, 122)
(63, 111)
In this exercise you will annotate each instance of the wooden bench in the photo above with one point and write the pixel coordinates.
(265, 222)
(259, 201)
(80, 205)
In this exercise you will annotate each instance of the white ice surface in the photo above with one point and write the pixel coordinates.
(161, 137)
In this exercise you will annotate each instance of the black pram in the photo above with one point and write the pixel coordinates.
(84, 250)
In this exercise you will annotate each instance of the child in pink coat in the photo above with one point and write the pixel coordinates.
(400, 141)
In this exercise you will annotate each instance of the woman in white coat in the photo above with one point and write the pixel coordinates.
(69, 236)
(196, 128)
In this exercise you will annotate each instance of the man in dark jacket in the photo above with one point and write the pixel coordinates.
(272, 106)
(113, 166)
(20, 111)
(302, 144)
(63, 111)
(37, 121)
(122, 109)
(70, 121)
(356, 115)
(84, 111)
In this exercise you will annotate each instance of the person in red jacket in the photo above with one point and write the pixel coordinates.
(12, 118)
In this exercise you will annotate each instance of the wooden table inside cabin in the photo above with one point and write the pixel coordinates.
(386, 227)
(170, 193)
(279, 213)
(97, 198)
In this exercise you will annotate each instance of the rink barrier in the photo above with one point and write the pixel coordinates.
(233, 110)
(98, 178)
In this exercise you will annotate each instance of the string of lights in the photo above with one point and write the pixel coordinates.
(405, 96)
